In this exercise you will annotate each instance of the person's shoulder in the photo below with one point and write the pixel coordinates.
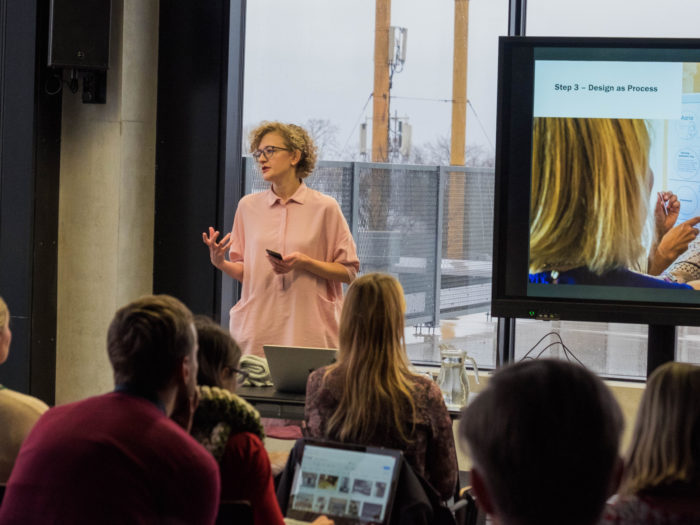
(22, 402)
(316, 378)
(253, 199)
(320, 372)
(625, 510)
(634, 509)
(426, 385)
(428, 395)
(321, 199)
(173, 440)
(91, 404)
(247, 444)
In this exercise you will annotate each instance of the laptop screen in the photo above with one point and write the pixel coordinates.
(347, 483)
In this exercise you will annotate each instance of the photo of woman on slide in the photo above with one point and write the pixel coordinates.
(589, 205)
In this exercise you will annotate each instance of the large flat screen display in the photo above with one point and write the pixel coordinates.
(598, 180)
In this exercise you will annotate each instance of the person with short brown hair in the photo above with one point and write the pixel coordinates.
(119, 457)
(543, 438)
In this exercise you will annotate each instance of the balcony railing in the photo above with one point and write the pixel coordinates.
(430, 226)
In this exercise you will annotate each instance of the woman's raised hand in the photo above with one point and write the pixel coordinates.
(217, 250)
(666, 211)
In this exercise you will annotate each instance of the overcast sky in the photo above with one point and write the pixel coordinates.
(314, 58)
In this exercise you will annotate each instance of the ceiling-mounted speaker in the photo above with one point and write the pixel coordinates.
(79, 34)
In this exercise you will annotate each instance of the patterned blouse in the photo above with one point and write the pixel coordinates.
(635, 510)
(432, 451)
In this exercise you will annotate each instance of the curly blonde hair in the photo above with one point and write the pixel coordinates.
(295, 138)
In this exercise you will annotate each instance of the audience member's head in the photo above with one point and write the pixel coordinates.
(664, 455)
(157, 473)
(577, 163)
(372, 322)
(5, 333)
(218, 355)
(372, 360)
(150, 341)
(543, 438)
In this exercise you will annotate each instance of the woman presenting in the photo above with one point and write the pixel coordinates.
(290, 247)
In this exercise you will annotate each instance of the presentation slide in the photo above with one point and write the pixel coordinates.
(663, 95)
(604, 89)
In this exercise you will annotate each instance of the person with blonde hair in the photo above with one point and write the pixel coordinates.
(18, 412)
(372, 397)
(589, 204)
(290, 246)
(661, 480)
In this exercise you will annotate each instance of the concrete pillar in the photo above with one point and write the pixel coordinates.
(105, 250)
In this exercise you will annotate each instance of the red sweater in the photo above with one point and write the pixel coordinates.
(109, 459)
(246, 474)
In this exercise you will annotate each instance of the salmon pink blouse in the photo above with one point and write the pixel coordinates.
(297, 308)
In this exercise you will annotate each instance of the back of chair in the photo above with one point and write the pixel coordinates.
(465, 510)
(237, 512)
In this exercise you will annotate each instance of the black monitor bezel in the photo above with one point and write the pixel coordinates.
(512, 185)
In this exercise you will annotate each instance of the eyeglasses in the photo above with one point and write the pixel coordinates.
(240, 375)
(268, 151)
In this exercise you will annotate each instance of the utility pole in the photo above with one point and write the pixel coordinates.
(456, 199)
(378, 197)
(380, 117)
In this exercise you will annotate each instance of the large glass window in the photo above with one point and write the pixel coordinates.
(311, 62)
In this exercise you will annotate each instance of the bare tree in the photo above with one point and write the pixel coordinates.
(245, 137)
(479, 156)
(437, 153)
(325, 134)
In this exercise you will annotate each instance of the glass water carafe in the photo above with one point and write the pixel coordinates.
(452, 379)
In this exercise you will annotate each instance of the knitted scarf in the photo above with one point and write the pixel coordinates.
(221, 414)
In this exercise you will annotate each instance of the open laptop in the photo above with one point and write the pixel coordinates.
(351, 484)
(290, 366)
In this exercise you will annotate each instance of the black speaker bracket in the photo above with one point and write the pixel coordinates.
(94, 86)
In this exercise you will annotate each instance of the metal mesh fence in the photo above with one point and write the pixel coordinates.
(397, 230)
(467, 240)
(429, 226)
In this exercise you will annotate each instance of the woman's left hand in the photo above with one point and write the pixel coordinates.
(289, 262)
(666, 212)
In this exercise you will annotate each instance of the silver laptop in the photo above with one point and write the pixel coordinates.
(351, 484)
(290, 366)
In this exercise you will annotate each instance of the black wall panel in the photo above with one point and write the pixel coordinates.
(29, 149)
(198, 152)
